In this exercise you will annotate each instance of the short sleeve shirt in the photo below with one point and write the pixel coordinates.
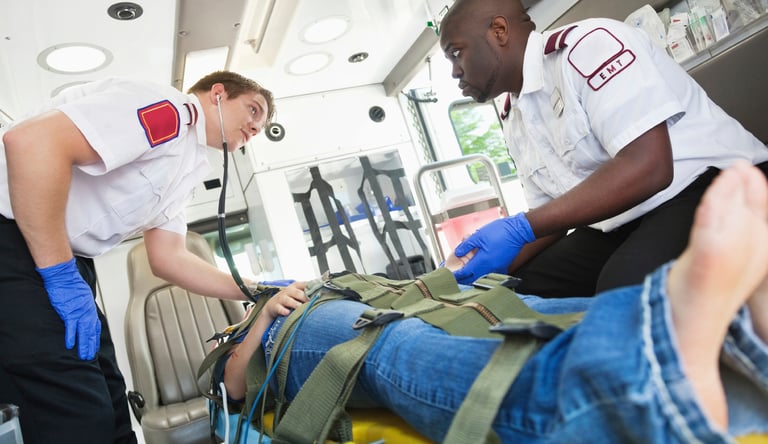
(151, 140)
(591, 88)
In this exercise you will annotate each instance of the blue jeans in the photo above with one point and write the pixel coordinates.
(615, 377)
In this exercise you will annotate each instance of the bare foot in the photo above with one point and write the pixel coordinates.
(722, 266)
(758, 309)
(758, 302)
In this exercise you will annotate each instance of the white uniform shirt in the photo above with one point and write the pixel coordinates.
(599, 86)
(151, 141)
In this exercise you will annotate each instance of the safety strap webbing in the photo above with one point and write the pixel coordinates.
(215, 354)
(335, 290)
(473, 421)
(323, 389)
(326, 390)
(281, 341)
(435, 298)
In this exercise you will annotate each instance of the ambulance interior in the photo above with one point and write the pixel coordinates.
(375, 162)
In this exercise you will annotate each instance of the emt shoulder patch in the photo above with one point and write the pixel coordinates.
(160, 122)
(600, 56)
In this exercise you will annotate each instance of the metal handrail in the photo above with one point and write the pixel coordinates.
(493, 175)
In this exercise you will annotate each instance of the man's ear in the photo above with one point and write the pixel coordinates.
(500, 29)
(217, 92)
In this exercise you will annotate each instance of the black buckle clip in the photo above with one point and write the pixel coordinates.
(510, 282)
(375, 317)
(533, 327)
(348, 293)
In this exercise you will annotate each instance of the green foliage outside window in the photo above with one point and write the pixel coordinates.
(478, 130)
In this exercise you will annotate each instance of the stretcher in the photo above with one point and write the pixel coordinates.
(368, 426)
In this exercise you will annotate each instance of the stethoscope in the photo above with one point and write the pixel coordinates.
(251, 295)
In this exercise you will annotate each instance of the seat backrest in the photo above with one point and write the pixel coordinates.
(167, 329)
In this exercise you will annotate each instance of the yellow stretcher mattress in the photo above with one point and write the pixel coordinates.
(368, 426)
(381, 426)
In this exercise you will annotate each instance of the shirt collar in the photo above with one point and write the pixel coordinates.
(533, 64)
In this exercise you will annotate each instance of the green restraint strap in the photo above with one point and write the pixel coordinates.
(264, 292)
(321, 399)
(473, 421)
(215, 354)
(288, 325)
(328, 387)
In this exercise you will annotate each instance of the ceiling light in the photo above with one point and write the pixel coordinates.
(74, 58)
(325, 30)
(308, 63)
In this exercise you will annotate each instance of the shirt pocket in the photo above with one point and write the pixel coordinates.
(134, 210)
(139, 199)
(539, 185)
(576, 145)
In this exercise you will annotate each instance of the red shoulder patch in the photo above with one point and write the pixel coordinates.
(160, 122)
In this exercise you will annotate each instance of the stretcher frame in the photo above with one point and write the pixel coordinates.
(433, 219)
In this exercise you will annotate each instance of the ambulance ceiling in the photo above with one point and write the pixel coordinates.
(257, 38)
(174, 41)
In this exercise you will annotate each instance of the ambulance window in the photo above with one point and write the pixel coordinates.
(254, 259)
(478, 131)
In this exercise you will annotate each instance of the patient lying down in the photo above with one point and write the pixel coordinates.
(642, 365)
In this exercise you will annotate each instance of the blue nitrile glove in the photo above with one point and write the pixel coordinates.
(278, 283)
(497, 243)
(73, 300)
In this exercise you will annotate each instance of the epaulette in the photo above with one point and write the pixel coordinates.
(507, 106)
(192, 110)
(556, 41)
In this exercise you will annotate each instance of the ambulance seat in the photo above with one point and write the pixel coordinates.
(166, 332)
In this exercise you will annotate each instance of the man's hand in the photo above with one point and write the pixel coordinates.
(73, 300)
(497, 244)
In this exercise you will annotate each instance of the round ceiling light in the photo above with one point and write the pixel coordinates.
(325, 30)
(308, 63)
(74, 58)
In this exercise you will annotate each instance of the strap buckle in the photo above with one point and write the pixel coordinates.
(486, 282)
(347, 293)
(374, 317)
(533, 327)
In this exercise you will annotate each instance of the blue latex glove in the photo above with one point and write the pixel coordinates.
(278, 283)
(497, 243)
(73, 300)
